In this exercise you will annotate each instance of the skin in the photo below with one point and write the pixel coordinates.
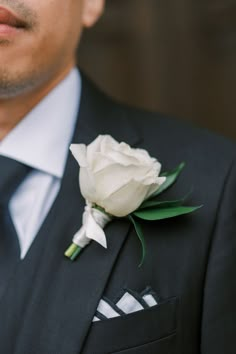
(37, 58)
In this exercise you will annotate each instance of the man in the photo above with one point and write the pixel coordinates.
(48, 303)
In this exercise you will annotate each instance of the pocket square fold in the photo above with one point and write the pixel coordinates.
(129, 302)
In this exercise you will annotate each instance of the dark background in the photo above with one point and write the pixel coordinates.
(174, 56)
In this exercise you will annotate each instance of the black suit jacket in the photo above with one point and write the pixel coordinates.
(191, 260)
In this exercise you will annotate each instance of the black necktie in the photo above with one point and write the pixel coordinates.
(12, 174)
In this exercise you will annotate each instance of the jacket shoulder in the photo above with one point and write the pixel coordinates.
(172, 140)
(161, 129)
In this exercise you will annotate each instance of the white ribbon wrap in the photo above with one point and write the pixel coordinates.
(93, 223)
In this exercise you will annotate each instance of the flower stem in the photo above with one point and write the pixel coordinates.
(73, 251)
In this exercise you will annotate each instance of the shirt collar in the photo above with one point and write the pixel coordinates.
(41, 140)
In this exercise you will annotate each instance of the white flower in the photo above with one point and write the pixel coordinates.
(115, 176)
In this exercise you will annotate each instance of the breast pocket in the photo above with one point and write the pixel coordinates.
(149, 331)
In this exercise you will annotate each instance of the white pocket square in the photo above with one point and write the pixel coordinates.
(128, 302)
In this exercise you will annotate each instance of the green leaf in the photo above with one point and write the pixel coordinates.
(165, 213)
(153, 202)
(171, 177)
(139, 232)
(163, 204)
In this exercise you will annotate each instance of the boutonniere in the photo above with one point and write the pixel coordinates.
(118, 181)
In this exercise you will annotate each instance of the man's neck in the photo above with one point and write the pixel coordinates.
(13, 110)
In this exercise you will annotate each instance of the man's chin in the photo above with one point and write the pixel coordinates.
(4, 42)
(13, 88)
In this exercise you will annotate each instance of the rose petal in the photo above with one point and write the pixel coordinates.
(124, 201)
(87, 184)
(124, 154)
(112, 178)
(79, 152)
(100, 162)
(92, 149)
(155, 187)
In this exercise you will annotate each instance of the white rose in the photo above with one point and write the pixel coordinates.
(115, 176)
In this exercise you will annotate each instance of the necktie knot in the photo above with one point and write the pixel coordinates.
(12, 174)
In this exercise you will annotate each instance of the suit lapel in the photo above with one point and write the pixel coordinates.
(67, 293)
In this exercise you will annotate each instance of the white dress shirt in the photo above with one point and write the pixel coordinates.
(41, 140)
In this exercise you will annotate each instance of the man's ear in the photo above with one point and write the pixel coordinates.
(92, 10)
